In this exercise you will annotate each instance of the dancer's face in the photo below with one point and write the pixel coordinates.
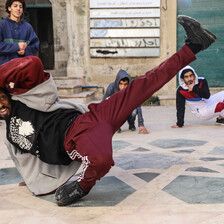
(5, 106)
(189, 78)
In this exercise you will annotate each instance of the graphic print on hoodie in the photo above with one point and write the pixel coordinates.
(39, 133)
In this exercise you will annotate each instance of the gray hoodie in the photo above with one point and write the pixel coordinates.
(40, 177)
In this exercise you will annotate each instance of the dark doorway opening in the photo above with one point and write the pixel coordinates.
(41, 20)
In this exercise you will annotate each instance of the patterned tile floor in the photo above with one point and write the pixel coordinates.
(169, 176)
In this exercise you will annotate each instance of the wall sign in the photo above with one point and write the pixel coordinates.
(124, 3)
(124, 28)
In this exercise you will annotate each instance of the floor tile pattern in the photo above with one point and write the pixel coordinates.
(197, 190)
(169, 176)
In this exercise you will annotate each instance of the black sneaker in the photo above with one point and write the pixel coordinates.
(132, 127)
(220, 121)
(196, 34)
(68, 194)
(119, 130)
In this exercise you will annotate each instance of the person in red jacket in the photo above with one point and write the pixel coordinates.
(194, 91)
(85, 137)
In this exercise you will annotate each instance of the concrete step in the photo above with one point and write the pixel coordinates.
(65, 89)
(98, 90)
(57, 72)
(70, 88)
(94, 101)
(214, 90)
(68, 81)
(82, 97)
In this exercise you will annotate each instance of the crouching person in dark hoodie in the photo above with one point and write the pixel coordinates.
(121, 82)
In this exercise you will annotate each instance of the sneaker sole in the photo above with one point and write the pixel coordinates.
(212, 34)
(196, 28)
(197, 32)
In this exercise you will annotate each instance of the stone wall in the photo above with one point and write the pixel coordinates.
(78, 38)
(102, 71)
(3, 13)
(60, 36)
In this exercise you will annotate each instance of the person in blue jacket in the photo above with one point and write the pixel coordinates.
(121, 82)
(17, 37)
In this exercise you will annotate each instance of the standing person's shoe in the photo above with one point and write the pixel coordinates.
(132, 127)
(119, 130)
(68, 194)
(196, 34)
(220, 121)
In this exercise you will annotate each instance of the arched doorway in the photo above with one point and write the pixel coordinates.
(39, 15)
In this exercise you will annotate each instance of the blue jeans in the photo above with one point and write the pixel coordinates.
(132, 117)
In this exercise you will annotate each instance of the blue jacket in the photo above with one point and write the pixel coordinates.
(114, 87)
(11, 33)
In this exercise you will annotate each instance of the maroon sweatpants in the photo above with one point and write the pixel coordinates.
(89, 138)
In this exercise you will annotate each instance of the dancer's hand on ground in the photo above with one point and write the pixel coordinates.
(21, 184)
(143, 130)
(175, 126)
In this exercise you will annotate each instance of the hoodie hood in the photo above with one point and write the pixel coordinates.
(181, 81)
(120, 75)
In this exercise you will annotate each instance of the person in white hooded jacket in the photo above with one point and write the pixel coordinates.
(194, 92)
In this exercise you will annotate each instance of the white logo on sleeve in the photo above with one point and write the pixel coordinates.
(21, 132)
